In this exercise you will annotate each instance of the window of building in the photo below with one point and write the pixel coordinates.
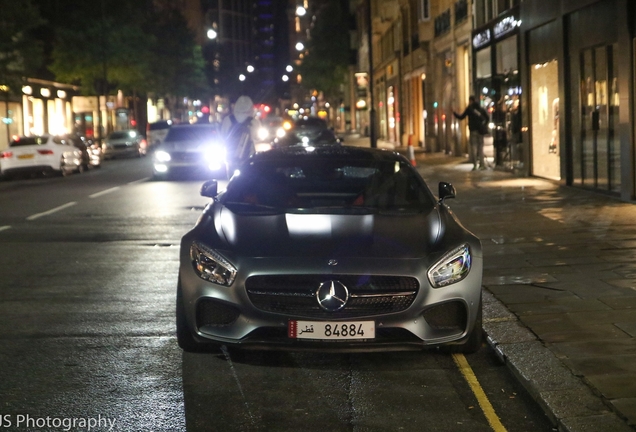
(483, 66)
(424, 12)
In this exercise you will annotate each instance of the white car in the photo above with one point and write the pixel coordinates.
(40, 154)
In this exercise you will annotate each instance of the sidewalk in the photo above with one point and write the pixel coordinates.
(559, 287)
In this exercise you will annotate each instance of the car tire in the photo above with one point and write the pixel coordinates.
(184, 336)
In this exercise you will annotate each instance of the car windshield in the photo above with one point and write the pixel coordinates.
(159, 125)
(122, 135)
(25, 141)
(327, 185)
(191, 133)
(311, 122)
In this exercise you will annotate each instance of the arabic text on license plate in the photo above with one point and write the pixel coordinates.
(26, 156)
(324, 330)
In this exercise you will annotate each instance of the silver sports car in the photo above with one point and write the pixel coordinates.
(329, 248)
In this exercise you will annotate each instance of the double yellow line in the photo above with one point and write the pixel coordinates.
(482, 399)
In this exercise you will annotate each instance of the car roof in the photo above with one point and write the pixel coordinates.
(193, 125)
(336, 151)
(311, 121)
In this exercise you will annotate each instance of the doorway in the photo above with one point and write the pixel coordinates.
(600, 149)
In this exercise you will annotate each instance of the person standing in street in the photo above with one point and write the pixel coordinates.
(478, 127)
(240, 132)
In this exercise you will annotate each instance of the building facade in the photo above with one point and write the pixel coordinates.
(577, 104)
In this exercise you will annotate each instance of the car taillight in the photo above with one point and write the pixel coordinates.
(143, 144)
(45, 152)
(6, 155)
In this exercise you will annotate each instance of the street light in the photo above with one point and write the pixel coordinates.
(212, 34)
(250, 68)
(285, 78)
(241, 77)
(289, 68)
(301, 11)
(300, 46)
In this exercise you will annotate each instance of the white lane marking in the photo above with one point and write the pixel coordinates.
(104, 192)
(56, 209)
(139, 181)
(6, 227)
(238, 384)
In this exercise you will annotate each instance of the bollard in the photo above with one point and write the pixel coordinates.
(411, 151)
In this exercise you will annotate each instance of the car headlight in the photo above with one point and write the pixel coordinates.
(280, 132)
(214, 153)
(211, 266)
(453, 267)
(262, 133)
(162, 156)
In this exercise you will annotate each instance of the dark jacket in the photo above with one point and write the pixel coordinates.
(476, 116)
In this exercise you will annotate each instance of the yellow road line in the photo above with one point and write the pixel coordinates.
(482, 399)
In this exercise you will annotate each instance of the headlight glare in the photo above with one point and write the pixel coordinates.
(452, 268)
(209, 265)
(262, 133)
(214, 153)
(162, 156)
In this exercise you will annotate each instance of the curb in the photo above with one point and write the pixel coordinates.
(565, 398)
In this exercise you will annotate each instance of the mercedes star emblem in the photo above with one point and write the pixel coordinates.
(332, 295)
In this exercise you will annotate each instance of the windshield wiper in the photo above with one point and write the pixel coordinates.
(253, 207)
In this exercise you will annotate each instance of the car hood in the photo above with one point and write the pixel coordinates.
(379, 236)
(187, 145)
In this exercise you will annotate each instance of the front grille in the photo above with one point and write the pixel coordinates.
(447, 316)
(214, 313)
(185, 156)
(121, 146)
(295, 295)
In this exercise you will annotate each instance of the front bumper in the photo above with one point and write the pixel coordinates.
(232, 316)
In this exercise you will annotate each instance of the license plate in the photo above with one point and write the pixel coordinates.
(324, 330)
(26, 156)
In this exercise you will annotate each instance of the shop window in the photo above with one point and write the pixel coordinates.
(546, 148)
(507, 56)
(598, 154)
(483, 66)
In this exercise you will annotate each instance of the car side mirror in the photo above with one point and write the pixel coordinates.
(446, 190)
(210, 189)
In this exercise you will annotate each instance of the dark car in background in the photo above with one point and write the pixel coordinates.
(309, 126)
(91, 152)
(156, 132)
(190, 149)
(329, 248)
(125, 143)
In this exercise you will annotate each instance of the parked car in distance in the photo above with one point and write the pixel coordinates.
(91, 153)
(190, 149)
(40, 154)
(124, 143)
(156, 132)
(329, 248)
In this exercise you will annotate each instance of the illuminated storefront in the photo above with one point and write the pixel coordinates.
(578, 129)
(546, 148)
(46, 108)
(497, 82)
